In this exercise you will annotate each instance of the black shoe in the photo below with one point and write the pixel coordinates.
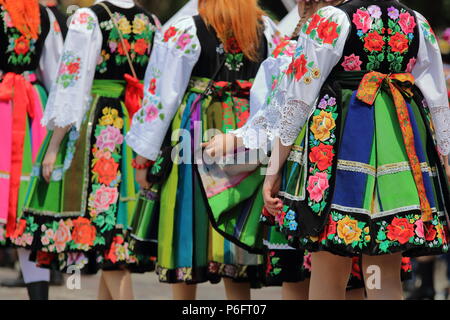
(56, 278)
(38, 290)
(14, 283)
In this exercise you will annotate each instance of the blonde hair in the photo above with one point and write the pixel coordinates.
(308, 9)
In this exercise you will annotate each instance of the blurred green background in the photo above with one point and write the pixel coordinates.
(436, 11)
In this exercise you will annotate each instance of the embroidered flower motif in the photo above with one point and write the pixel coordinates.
(183, 41)
(124, 50)
(62, 236)
(315, 20)
(322, 155)
(83, 231)
(139, 25)
(104, 197)
(152, 86)
(69, 69)
(171, 32)
(327, 31)
(352, 63)
(124, 25)
(411, 65)
(375, 11)
(22, 45)
(400, 230)
(362, 20)
(407, 22)
(141, 46)
(298, 67)
(393, 13)
(348, 230)
(322, 125)
(151, 113)
(106, 170)
(109, 138)
(399, 43)
(374, 42)
(317, 185)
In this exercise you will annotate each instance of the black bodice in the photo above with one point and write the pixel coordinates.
(138, 29)
(384, 37)
(237, 66)
(19, 54)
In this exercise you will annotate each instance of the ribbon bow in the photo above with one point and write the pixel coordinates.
(134, 93)
(16, 89)
(236, 88)
(399, 85)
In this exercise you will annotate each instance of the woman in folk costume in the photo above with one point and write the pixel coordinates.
(361, 110)
(31, 46)
(199, 75)
(284, 265)
(82, 192)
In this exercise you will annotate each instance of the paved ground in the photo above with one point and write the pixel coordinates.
(147, 287)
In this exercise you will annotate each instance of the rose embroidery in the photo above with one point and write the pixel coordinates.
(322, 156)
(407, 22)
(400, 230)
(83, 231)
(317, 185)
(352, 63)
(104, 197)
(362, 20)
(109, 138)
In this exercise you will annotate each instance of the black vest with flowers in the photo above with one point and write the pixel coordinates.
(237, 66)
(384, 37)
(18, 53)
(138, 29)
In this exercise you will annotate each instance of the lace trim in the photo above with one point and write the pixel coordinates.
(283, 118)
(383, 170)
(296, 155)
(378, 214)
(441, 121)
(277, 246)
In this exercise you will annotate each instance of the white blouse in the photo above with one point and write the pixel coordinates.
(53, 47)
(69, 100)
(174, 55)
(293, 100)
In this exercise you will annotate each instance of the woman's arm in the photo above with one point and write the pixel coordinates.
(52, 152)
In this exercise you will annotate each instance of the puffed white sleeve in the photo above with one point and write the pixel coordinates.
(51, 53)
(293, 99)
(272, 34)
(269, 74)
(70, 94)
(174, 55)
(430, 79)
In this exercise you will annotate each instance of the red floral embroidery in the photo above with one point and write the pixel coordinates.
(315, 20)
(327, 31)
(399, 43)
(400, 230)
(322, 155)
(140, 46)
(123, 51)
(374, 42)
(83, 231)
(22, 45)
(152, 86)
(298, 67)
(172, 31)
(106, 170)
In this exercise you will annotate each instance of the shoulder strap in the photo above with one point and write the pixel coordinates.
(121, 38)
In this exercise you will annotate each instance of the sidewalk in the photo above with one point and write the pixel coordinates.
(146, 287)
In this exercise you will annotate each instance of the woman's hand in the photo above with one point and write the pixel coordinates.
(221, 145)
(271, 187)
(52, 152)
(141, 174)
(49, 163)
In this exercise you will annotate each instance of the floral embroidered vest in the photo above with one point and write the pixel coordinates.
(384, 37)
(237, 66)
(19, 54)
(138, 29)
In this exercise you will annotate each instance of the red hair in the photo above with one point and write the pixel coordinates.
(238, 19)
(25, 16)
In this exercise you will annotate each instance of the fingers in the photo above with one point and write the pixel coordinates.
(47, 170)
(273, 205)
